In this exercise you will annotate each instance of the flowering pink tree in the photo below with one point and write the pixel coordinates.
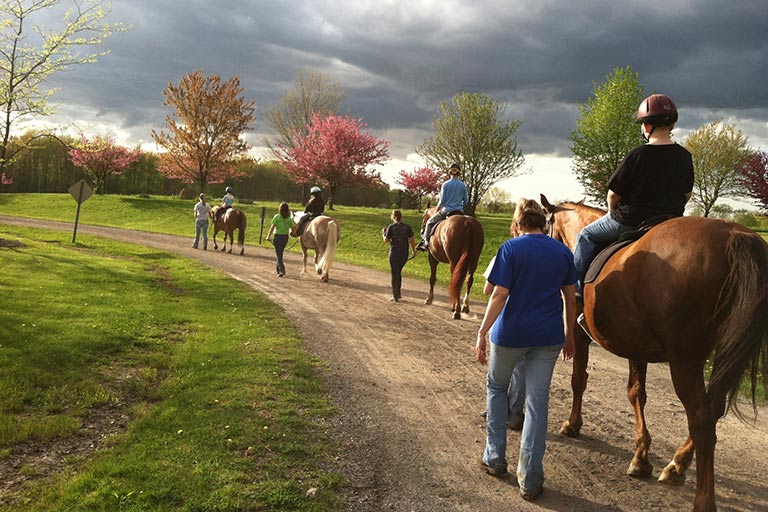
(5, 180)
(754, 177)
(421, 181)
(101, 158)
(334, 152)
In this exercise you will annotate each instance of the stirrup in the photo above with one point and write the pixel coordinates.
(583, 324)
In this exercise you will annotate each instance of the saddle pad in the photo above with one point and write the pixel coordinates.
(624, 240)
(597, 264)
(225, 217)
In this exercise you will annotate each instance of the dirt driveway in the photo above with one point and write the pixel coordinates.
(410, 397)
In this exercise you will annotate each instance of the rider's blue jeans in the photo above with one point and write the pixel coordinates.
(599, 233)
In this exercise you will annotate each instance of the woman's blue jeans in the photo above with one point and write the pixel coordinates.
(201, 226)
(539, 365)
(280, 242)
(601, 232)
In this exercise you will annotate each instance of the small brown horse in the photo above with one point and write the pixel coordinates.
(231, 220)
(321, 235)
(689, 289)
(458, 241)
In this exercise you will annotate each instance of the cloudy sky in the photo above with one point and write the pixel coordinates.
(397, 60)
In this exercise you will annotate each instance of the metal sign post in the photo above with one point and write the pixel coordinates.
(261, 229)
(81, 191)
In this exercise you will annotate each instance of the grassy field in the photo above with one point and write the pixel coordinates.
(223, 411)
(361, 242)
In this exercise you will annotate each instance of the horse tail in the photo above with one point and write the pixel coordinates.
(241, 230)
(459, 272)
(743, 336)
(331, 234)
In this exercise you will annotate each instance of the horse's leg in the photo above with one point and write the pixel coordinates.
(318, 269)
(572, 426)
(640, 465)
(674, 472)
(304, 259)
(215, 232)
(432, 279)
(688, 380)
(465, 302)
(231, 241)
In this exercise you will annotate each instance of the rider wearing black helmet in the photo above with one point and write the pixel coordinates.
(315, 207)
(653, 179)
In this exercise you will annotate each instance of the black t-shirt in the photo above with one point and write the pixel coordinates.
(399, 234)
(652, 180)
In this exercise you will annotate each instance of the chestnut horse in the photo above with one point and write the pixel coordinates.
(689, 289)
(232, 219)
(457, 240)
(322, 235)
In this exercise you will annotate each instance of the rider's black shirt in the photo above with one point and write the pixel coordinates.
(652, 180)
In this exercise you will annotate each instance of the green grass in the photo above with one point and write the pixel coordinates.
(225, 407)
(361, 242)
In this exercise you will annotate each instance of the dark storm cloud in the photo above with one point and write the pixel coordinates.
(398, 61)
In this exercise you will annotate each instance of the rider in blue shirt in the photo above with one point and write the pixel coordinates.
(453, 197)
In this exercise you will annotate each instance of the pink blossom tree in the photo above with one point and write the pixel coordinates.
(6, 180)
(102, 158)
(754, 177)
(421, 181)
(334, 152)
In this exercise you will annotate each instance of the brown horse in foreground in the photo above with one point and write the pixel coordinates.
(232, 219)
(458, 241)
(321, 235)
(689, 289)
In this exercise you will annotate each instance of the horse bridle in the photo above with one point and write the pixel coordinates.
(549, 227)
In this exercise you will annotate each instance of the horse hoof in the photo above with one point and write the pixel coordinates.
(465, 309)
(428, 302)
(324, 279)
(569, 430)
(639, 470)
(671, 476)
(456, 315)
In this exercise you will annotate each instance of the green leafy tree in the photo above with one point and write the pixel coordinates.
(31, 53)
(718, 150)
(606, 131)
(472, 130)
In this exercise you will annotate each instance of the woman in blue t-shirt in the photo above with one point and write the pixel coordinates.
(533, 276)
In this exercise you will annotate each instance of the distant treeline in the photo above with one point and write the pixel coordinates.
(48, 169)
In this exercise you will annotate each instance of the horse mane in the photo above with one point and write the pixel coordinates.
(582, 207)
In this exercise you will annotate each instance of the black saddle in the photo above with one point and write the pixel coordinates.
(624, 240)
(449, 214)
